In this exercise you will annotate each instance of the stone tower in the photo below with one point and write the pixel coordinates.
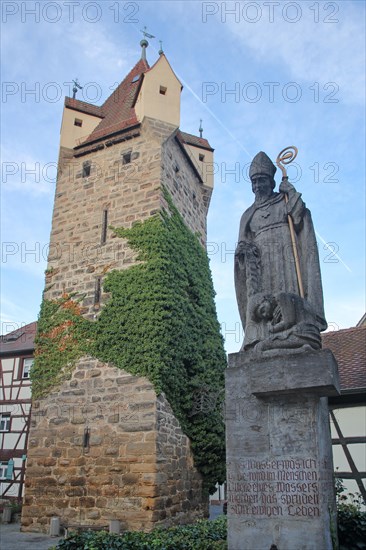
(104, 443)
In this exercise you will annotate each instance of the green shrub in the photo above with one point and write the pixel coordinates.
(203, 535)
(351, 529)
(351, 519)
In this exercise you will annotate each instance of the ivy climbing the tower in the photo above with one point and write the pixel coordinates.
(160, 322)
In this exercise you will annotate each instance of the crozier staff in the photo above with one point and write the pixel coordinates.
(265, 265)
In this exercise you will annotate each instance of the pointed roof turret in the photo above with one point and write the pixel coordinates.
(118, 110)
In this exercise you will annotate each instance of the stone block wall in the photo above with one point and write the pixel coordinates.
(135, 464)
(78, 257)
(104, 445)
(190, 196)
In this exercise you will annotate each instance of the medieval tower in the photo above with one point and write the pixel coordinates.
(128, 376)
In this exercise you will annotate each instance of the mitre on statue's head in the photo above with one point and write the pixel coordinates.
(262, 164)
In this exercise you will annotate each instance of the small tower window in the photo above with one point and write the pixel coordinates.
(126, 158)
(86, 168)
(201, 157)
(78, 122)
(98, 291)
(162, 90)
(103, 239)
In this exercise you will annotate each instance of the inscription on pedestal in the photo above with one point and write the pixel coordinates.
(274, 488)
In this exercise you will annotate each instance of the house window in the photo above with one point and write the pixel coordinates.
(86, 168)
(5, 422)
(201, 157)
(126, 158)
(78, 122)
(7, 469)
(162, 90)
(3, 469)
(27, 365)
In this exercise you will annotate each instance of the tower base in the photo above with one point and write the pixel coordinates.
(106, 447)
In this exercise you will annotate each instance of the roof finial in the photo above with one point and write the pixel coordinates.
(144, 43)
(161, 47)
(200, 129)
(76, 88)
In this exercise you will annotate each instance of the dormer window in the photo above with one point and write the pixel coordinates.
(86, 168)
(162, 90)
(126, 158)
(78, 122)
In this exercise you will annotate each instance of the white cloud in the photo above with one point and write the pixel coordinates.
(312, 52)
(21, 173)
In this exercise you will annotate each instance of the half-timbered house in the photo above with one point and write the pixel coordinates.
(16, 359)
(348, 411)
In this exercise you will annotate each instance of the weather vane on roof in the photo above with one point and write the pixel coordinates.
(76, 88)
(144, 43)
(146, 34)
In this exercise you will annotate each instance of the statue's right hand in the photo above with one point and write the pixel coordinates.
(240, 250)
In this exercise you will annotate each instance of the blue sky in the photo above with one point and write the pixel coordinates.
(261, 75)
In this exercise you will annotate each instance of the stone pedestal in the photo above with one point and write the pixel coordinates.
(279, 457)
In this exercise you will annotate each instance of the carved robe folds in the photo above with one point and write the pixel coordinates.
(272, 312)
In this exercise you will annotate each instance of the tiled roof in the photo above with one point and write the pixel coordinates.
(83, 107)
(190, 139)
(349, 349)
(118, 110)
(18, 340)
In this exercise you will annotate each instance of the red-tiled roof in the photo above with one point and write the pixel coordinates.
(190, 139)
(118, 110)
(18, 340)
(83, 107)
(349, 349)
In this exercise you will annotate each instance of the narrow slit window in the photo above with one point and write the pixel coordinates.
(126, 158)
(103, 239)
(86, 168)
(86, 438)
(162, 90)
(201, 157)
(78, 122)
(98, 291)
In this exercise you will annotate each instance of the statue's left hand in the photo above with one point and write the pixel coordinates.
(286, 187)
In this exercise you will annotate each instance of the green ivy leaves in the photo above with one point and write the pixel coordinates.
(160, 322)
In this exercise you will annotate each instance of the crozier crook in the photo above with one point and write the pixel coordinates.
(286, 156)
